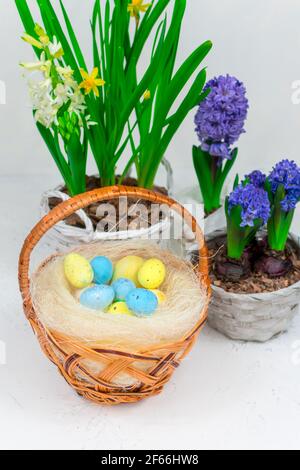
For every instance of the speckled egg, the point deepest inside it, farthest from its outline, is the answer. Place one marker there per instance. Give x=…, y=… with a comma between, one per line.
x=142, y=302
x=152, y=274
x=97, y=297
x=128, y=268
x=119, y=308
x=103, y=269
x=161, y=296
x=122, y=288
x=78, y=271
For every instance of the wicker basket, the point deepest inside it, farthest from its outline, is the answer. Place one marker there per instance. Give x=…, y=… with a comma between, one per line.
x=65, y=235
x=253, y=317
x=69, y=355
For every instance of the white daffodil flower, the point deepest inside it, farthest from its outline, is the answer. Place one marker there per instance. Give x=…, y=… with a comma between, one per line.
x=62, y=94
x=41, y=65
x=55, y=48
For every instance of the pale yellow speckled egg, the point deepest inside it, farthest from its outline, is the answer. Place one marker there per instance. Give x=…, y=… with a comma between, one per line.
x=152, y=274
x=119, y=308
x=161, y=296
x=128, y=268
x=78, y=271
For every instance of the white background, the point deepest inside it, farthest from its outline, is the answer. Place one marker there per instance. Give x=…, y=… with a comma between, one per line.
x=227, y=395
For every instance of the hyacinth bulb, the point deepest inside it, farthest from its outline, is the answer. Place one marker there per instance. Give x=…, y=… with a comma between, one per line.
x=273, y=266
x=232, y=270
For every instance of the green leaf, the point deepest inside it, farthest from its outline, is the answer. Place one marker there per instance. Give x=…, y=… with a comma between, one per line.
x=74, y=41
x=143, y=33
x=48, y=11
x=57, y=156
x=184, y=108
x=186, y=71
x=236, y=181
x=27, y=21
x=202, y=165
x=223, y=174
x=77, y=161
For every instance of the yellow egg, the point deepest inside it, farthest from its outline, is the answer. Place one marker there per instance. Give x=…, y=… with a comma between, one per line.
x=161, y=296
x=128, y=268
x=78, y=271
x=119, y=308
x=152, y=274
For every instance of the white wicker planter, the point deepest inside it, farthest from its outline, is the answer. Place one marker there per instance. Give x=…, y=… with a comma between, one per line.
x=67, y=236
x=254, y=317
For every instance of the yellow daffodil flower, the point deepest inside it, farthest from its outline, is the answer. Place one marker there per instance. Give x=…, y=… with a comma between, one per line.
x=147, y=95
x=91, y=82
x=136, y=7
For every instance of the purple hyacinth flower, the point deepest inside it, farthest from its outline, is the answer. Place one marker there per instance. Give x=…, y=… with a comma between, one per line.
x=257, y=178
x=220, y=150
x=221, y=116
x=254, y=202
x=287, y=174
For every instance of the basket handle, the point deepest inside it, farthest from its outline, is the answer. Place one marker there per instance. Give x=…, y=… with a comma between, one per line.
x=66, y=208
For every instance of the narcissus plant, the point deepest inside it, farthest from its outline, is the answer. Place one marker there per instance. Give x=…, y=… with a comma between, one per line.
x=116, y=106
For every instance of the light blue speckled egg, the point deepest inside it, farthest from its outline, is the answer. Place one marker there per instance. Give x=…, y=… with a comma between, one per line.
x=103, y=269
x=97, y=297
x=142, y=302
x=122, y=287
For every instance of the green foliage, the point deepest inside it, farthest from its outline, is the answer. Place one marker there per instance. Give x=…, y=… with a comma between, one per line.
x=157, y=122
x=71, y=169
x=211, y=177
x=238, y=238
x=117, y=59
x=280, y=222
x=122, y=117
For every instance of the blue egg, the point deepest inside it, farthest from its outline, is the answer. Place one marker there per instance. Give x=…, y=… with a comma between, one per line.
x=123, y=287
x=142, y=302
x=97, y=297
x=103, y=269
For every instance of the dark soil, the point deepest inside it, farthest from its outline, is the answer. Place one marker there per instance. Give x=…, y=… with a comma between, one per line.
x=250, y=277
x=93, y=182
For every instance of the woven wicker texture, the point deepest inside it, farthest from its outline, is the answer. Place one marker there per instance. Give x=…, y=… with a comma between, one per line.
x=71, y=357
x=253, y=317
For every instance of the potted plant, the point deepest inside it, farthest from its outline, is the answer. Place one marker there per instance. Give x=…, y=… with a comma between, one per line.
x=219, y=121
x=111, y=107
x=255, y=264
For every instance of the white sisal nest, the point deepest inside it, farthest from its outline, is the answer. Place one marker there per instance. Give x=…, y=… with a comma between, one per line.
x=58, y=308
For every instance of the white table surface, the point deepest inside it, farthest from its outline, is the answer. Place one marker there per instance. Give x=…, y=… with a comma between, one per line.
x=226, y=395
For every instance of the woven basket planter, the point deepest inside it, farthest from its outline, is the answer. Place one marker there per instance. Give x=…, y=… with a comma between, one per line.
x=70, y=355
x=66, y=235
x=253, y=317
